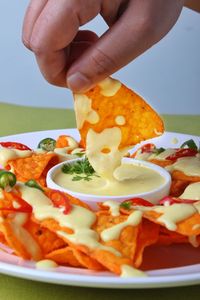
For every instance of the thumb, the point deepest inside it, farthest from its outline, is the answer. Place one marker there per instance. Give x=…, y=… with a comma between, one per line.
x=139, y=28
x=117, y=47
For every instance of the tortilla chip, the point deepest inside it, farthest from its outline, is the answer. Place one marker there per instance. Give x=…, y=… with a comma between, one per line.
x=178, y=187
x=72, y=257
x=62, y=141
x=148, y=235
x=178, y=175
x=2, y=239
x=87, y=262
x=64, y=256
x=34, y=167
x=48, y=240
x=125, y=244
x=167, y=237
x=19, y=239
x=141, y=121
x=72, y=200
x=186, y=227
x=161, y=163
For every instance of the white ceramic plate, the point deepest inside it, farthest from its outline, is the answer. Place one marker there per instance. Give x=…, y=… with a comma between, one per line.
x=179, y=265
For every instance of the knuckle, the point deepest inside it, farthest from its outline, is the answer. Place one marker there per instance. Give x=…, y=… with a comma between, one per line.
x=26, y=43
x=87, y=12
x=54, y=80
x=37, y=48
x=147, y=26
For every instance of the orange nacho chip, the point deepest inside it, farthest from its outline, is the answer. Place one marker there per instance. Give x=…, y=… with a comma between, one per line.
x=186, y=227
x=178, y=175
x=47, y=239
x=96, y=258
x=167, y=237
x=13, y=227
x=34, y=167
x=62, y=141
x=140, y=121
x=64, y=256
x=72, y=257
x=161, y=163
x=126, y=242
x=178, y=187
x=148, y=235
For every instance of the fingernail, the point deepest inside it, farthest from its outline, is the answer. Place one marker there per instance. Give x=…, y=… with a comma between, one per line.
x=78, y=82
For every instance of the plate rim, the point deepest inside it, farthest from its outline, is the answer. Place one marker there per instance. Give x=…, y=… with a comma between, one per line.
x=82, y=280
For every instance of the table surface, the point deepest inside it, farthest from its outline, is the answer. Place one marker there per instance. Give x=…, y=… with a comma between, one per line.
x=18, y=119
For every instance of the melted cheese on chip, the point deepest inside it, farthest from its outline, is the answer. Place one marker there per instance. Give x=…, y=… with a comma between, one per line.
x=10, y=154
x=109, y=87
x=104, y=163
x=192, y=192
x=84, y=111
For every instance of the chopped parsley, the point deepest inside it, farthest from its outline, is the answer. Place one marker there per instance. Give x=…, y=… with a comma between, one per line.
x=82, y=170
x=80, y=154
x=157, y=151
x=126, y=205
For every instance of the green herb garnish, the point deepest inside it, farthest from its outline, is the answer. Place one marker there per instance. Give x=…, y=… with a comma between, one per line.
x=81, y=169
x=157, y=151
x=126, y=205
x=190, y=144
x=80, y=154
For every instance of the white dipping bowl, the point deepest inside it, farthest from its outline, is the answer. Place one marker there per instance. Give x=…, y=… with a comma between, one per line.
x=152, y=196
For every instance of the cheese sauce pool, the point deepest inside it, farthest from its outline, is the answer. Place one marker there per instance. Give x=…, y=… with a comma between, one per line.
x=130, y=179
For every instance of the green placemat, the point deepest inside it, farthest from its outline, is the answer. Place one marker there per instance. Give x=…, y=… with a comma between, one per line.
x=16, y=119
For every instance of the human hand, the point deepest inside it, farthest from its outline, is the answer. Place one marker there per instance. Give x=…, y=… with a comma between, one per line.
x=79, y=59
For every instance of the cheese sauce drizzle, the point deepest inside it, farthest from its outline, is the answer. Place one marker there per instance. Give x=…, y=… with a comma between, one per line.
x=80, y=219
x=173, y=214
x=24, y=236
x=114, y=232
x=113, y=206
x=128, y=271
x=10, y=154
x=104, y=163
x=84, y=111
x=188, y=165
x=109, y=87
x=46, y=264
x=192, y=192
x=64, y=152
x=120, y=120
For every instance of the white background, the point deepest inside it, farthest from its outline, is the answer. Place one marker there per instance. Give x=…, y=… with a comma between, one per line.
x=168, y=75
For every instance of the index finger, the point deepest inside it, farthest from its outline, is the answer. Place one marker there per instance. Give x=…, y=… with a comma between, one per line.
x=32, y=13
x=53, y=31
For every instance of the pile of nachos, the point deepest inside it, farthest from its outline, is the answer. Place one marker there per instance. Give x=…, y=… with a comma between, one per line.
x=41, y=224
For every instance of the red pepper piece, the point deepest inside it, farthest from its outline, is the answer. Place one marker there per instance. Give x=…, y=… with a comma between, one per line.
x=147, y=148
x=60, y=200
x=127, y=204
x=23, y=205
x=173, y=200
x=14, y=145
x=141, y=202
x=182, y=153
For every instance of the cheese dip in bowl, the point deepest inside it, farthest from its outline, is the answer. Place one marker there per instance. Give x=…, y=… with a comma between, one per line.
x=134, y=178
